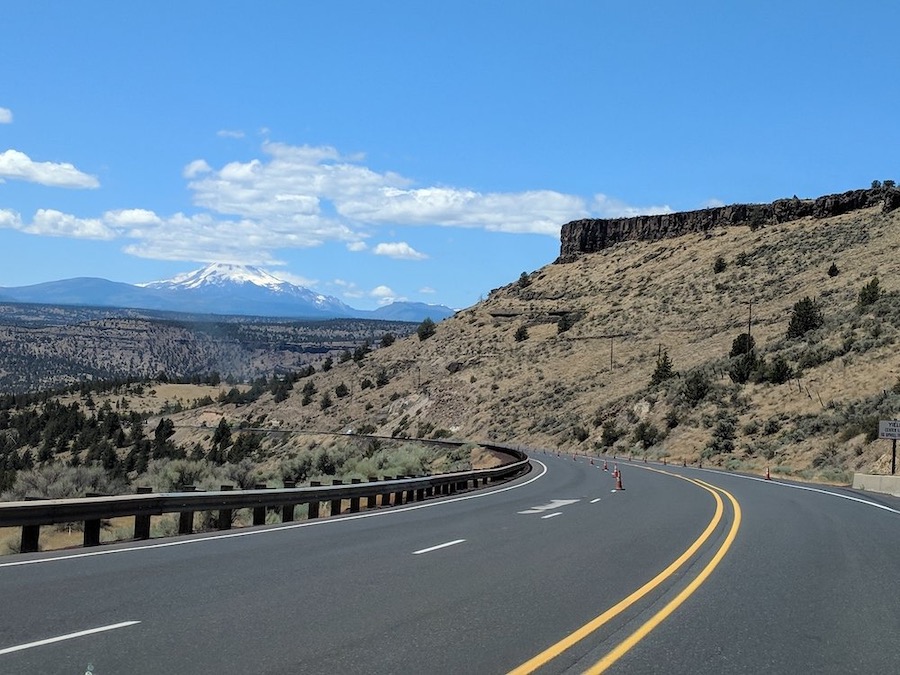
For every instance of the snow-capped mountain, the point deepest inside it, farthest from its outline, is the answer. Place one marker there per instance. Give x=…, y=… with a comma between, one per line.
x=217, y=288
x=220, y=285
x=242, y=289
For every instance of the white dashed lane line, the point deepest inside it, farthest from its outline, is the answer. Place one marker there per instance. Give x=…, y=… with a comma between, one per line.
x=439, y=546
x=68, y=636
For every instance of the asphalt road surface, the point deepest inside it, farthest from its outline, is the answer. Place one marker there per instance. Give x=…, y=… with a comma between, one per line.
x=683, y=571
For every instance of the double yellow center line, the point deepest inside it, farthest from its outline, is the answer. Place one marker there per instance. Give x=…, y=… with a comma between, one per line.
x=628, y=643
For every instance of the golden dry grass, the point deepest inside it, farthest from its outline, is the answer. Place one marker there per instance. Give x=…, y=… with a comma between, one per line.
x=648, y=296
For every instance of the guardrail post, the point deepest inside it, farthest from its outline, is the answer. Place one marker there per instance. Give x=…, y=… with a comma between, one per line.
x=398, y=495
x=386, y=496
x=31, y=534
x=259, y=512
x=354, y=501
x=225, y=514
x=287, y=511
x=92, y=527
x=420, y=494
x=336, y=503
x=312, y=510
x=186, y=518
x=142, y=522
x=452, y=487
x=371, y=500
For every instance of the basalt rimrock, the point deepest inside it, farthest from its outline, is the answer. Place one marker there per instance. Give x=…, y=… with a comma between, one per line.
x=594, y=234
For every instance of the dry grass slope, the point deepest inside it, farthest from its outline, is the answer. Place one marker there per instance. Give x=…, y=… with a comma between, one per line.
x=472, y=379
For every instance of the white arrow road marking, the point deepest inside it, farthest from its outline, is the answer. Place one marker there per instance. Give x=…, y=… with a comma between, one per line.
x=435, y=548
x=554, y=504
x=81, y=633
x=551, y=515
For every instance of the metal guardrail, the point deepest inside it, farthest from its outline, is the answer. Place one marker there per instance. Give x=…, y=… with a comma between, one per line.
x=32, y=514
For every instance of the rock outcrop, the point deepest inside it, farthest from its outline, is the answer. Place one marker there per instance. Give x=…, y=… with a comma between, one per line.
x=594, y=234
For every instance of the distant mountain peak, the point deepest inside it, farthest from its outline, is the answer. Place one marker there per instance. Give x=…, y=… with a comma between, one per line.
x=222, y=274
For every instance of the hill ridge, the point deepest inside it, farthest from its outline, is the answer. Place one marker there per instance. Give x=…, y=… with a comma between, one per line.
x=590, y=235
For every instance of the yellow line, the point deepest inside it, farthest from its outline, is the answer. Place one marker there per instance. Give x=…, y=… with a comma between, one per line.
x=676, y=602
x=555, y=650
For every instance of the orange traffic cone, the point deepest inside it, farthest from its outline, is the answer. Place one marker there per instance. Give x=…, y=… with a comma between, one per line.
x=615, y=469
x=768, y=477
x=619, y=481
x=592, y=461
x=605, y=466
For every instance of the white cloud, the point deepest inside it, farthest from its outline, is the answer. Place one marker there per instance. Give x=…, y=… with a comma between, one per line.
x=299, y=197
x=230, y=133
x=609, y=207
x=385, y=295
x=126, y=218
x=399, y=250
x=6, y=116
x=195, y=168
x=348, y=289
x=54, y=223
x=15, y=164
x=428, y=290
x=296, y=279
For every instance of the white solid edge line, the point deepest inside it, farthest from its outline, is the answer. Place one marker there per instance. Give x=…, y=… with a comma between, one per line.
x=594, y=501
x=280, y=528
x=551, y=515
x=851, y=498
x=439, y=546
x=69, y=636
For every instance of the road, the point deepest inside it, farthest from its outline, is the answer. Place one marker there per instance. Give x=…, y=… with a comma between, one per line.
x=684, y=571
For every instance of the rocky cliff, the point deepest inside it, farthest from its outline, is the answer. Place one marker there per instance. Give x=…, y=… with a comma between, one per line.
x=593, y=234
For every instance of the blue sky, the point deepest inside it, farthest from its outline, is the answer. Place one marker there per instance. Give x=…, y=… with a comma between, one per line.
x=411, y=150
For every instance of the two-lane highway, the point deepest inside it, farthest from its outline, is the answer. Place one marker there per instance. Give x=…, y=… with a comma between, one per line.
x=551, y=573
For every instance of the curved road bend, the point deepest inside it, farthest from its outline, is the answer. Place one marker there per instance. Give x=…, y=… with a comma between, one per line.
x=547, y=574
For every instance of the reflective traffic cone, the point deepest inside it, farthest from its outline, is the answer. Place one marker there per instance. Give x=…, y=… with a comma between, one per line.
x=768, y=477
x=619, y=481
x=605, y=466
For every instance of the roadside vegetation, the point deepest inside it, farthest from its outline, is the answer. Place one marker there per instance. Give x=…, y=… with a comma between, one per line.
x=743, y=348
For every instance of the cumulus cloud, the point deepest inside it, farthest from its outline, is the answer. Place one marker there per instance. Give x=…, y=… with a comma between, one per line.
x=428, y=290
x=385, y=295
x=314, y=181
x=608, y=207
x=348, y=289
x=51, y=222
x=195, y=168
x=18, y=165
x=6, y=116
x=296, y=279
x=399, y=250
x=230, y=133
x=298, y=197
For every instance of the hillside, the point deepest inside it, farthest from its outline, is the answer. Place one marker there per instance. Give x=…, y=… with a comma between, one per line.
x=48, y=347
x=586, y=386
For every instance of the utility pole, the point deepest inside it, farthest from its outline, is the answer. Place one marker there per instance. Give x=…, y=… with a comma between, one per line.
x=749, y=324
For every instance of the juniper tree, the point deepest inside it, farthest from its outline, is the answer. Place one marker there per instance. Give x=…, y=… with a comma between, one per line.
x=806, y=316
x=663, y=370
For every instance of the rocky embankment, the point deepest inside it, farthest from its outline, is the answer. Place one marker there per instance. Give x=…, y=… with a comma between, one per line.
x=594, y=234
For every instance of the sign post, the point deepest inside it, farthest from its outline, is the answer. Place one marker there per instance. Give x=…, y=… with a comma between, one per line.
x=890, y=429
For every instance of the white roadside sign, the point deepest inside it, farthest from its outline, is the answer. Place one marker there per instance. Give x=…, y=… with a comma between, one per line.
x=889, y=429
